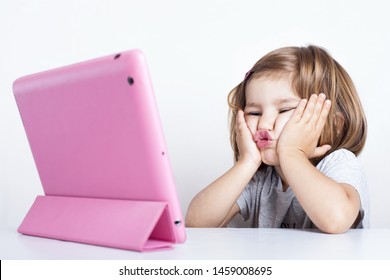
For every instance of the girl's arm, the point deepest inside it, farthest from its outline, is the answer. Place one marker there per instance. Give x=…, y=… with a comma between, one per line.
x=216, y=205
x=333, y=207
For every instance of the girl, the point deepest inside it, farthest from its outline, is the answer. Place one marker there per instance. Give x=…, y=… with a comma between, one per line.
x=296, y=127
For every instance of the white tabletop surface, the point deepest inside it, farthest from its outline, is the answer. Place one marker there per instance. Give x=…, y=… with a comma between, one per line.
x=216, y=243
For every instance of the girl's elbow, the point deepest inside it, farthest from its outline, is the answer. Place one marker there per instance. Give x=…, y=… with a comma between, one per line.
x=194, y=220
x=191, y=221
x=337, y=223
x=334, y=228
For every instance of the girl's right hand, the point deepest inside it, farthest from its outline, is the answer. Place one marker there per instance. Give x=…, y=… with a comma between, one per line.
x=246, y=145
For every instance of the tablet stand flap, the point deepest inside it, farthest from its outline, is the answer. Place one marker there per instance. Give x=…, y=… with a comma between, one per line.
x=125, y=224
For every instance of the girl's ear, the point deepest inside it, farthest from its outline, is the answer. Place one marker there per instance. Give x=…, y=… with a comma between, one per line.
x=339, y=122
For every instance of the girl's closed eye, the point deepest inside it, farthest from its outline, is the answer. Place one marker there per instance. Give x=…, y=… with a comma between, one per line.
x=256, y=114
x=284, y=110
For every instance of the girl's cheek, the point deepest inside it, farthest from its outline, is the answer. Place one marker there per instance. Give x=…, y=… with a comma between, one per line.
x=282, y=120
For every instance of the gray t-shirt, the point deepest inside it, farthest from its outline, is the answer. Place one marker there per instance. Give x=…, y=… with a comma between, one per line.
x=264, y=204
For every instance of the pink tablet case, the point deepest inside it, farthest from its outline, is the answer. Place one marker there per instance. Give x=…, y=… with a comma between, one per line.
x=98, y=146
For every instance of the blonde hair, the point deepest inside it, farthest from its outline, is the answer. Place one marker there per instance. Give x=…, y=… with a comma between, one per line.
x=311, y=70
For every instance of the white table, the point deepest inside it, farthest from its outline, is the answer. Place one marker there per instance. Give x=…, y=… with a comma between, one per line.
x=214, y=243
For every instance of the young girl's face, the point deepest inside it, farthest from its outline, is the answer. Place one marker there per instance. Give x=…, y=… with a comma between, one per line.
x=269, y=105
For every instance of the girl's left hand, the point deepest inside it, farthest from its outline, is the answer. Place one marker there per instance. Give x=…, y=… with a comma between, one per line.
x=303, y=129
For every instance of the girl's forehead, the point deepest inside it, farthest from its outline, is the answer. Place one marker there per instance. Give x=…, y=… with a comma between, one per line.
x=269, y=89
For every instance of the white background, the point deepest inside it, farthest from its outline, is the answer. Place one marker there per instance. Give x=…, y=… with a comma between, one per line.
x=108, y=269
x=197, y=52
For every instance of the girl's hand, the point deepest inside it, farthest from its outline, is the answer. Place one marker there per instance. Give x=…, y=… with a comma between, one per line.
x=246, y=145
x=302, y=131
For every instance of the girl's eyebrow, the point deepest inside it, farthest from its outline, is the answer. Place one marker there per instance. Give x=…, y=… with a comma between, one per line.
x=251, y=104
x=277, y=102
x=287, y=100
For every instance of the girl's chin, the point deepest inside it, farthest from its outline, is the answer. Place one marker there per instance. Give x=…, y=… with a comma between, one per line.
x=269, y=157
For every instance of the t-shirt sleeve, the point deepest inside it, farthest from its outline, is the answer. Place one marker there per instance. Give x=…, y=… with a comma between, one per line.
x=344, y=167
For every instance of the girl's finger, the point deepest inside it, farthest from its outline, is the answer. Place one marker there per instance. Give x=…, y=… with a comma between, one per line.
x=241, y=126
x=298, y=112
x=323, y=114
x=240, y=117
x=307, y=115
x=320, y=151
x=318, y=107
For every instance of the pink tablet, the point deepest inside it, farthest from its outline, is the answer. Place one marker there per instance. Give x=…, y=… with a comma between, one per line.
x=98, y=145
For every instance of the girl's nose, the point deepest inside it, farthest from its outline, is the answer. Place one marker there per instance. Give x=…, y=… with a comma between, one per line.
x=266, y=122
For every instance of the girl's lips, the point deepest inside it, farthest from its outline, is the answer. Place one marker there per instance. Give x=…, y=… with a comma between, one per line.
x=262, y=139
x=261, y=144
